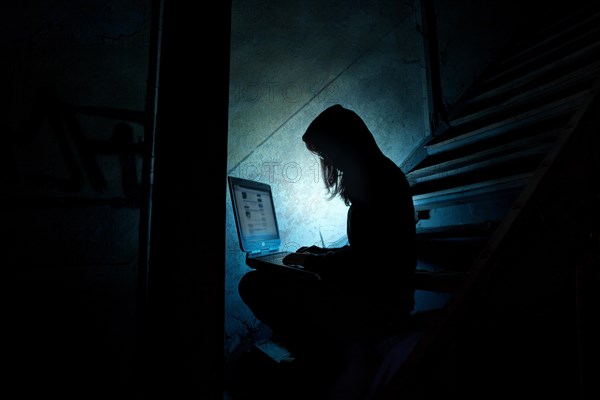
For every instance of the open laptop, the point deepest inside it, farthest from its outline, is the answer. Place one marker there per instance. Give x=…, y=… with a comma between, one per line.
x=256, y=224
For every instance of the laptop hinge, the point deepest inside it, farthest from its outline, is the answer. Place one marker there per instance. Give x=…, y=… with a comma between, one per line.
x=264, y=252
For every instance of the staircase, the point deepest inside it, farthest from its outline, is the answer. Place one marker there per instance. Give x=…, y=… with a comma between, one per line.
x=505, y=194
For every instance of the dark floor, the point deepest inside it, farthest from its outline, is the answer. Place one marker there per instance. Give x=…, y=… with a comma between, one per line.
x=257, y=376
x=354, y=374
x=532, y=353
x=252, y=374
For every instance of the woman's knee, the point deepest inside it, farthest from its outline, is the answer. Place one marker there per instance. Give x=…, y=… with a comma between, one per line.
x=246, y=285
x=252, y=285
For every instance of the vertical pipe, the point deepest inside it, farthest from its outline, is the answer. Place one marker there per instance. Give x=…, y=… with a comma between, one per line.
x=146, y=189
x=148, y=158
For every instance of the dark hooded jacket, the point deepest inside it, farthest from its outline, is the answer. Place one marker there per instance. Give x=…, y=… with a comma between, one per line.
x=379, y=260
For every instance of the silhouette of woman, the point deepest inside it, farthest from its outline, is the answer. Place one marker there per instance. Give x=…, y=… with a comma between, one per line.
x=366, y=292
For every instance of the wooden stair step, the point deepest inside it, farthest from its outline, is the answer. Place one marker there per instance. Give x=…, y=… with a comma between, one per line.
x=528, y=118
x=547, y=38
x=557, y=66
x=508, y=97
x=457, y=231
x=433, y=281
x=537, y=151
x=470, y=193
x=513, y=147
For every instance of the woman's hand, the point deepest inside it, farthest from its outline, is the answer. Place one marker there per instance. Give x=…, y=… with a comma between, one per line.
x=295, y=258
x=312, y=250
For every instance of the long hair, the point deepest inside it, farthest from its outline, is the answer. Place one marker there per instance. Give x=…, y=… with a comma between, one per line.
x=333, y=178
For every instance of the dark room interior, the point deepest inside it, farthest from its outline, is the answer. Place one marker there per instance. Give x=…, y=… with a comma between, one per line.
x=123, y=119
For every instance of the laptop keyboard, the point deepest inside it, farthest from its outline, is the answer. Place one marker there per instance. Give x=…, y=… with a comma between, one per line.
x=276, y=258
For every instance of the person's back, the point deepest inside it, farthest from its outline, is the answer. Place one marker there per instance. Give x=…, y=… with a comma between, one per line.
x=381, y=233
